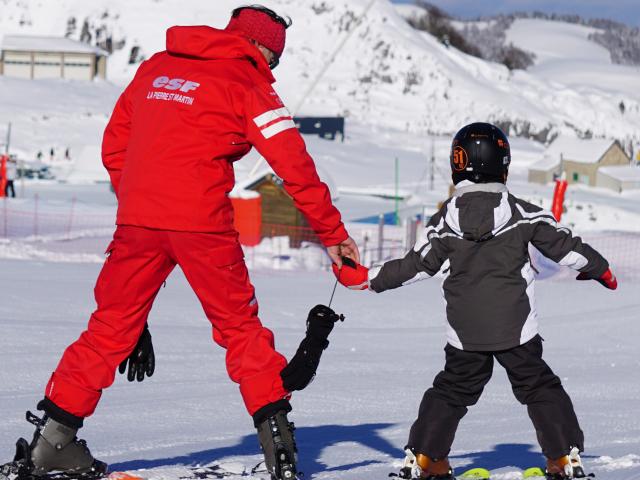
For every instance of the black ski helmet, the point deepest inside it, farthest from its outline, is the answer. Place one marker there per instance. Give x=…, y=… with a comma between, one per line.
x=480, y=153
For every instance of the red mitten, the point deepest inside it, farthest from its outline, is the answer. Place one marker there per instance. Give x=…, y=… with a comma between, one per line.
x=352, y=275
x=607, y=280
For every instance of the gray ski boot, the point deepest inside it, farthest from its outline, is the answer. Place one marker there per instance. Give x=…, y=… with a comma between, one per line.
x=55, y=452
x=279, y=446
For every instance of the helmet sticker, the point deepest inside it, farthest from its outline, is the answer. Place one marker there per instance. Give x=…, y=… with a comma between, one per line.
x=460, y=159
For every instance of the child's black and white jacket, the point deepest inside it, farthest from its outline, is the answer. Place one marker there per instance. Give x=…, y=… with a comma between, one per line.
x=480, y=239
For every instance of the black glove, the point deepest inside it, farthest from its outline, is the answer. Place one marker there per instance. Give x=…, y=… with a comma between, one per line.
x=303, y=366
x=142, y=360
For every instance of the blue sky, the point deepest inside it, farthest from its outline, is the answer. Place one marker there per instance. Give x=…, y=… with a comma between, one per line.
x=626, y=11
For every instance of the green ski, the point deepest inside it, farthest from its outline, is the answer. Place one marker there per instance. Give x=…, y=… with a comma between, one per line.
x=534, y=472
x=475, y=474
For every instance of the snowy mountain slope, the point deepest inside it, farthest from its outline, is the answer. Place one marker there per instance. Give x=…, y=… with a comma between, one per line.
x=566, y=56
x=386, y=75
x=58, y=114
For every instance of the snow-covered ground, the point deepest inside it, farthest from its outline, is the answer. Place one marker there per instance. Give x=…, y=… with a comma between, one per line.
x=354, y=419
x=394, y=85
x=568, y=59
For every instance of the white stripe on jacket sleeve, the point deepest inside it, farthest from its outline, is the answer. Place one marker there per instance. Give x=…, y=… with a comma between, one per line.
x=268, y=117
x=278, y=127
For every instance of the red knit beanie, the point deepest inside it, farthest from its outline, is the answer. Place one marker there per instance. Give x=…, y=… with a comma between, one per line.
x=259, y=26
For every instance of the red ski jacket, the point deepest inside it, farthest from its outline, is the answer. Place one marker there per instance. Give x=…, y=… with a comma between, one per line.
x=189, y=113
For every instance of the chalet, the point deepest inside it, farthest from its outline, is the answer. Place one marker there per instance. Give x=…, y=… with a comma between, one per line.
x=545, y=170
x=35, y=57
x=580, y=159
x=619, y=178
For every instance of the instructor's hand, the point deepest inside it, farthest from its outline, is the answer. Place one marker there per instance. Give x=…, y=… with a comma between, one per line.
x=142, y=360
x=347, y=248
x=352, y=275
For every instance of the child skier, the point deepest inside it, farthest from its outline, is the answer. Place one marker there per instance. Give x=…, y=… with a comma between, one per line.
x=481, y=236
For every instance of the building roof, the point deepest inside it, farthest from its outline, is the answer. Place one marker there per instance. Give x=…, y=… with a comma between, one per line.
x=250, y=181
x=579, y=150
x=624, y=173
x=36, y=43
x=546, y=164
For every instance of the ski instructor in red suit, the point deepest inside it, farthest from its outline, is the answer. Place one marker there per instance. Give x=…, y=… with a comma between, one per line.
x=189, y=113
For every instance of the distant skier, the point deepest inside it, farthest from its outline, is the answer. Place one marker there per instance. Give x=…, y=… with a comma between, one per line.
x=189, y=113
x=12, y=173
x=481, y=237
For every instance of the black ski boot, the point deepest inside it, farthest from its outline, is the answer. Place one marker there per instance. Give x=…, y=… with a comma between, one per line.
x=279, y=446
x=55, y=452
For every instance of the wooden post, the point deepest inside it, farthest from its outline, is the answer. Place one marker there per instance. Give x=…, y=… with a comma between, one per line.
x=5, y=220
x=397, y=180
x=70, y=224
x=364, y=250
x=380, y=236
x=35, y=215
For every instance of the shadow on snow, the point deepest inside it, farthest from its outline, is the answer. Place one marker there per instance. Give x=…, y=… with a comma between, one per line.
x=521, y=455
x=313, y=440
x=311, y=443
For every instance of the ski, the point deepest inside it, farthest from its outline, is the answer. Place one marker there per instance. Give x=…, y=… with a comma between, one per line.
x=218, y=471
x=16, y=471
x=208, y=472
x=475, y=474
x=534, y=472
x=124, y=476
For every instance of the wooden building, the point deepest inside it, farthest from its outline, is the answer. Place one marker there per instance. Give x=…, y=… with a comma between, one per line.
x=277, y=204
x=36, y=57
x=279, y=215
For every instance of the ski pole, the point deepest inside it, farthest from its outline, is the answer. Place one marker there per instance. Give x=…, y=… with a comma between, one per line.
x=333, y=292
x=348, y=262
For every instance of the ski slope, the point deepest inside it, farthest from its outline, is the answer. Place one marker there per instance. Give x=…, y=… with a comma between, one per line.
x=404, y=94
x=354, y=419
x=385, y=74
x=567, y=59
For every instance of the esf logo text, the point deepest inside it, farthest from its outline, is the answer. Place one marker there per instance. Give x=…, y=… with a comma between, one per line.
x=175, y=84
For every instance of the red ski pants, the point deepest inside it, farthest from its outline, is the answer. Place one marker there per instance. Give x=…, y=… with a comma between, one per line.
x=139, y=261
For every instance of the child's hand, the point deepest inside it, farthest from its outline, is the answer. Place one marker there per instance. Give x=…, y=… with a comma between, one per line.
x=352, y=275
x=607, y=280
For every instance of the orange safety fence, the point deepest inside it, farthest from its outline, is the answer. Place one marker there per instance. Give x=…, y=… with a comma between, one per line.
x=25, y=221
x=61, y=222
